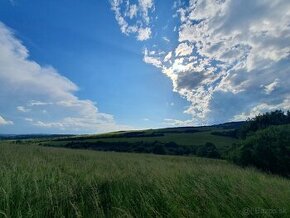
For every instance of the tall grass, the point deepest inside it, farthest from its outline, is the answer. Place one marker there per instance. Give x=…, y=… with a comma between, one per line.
x=53, y=182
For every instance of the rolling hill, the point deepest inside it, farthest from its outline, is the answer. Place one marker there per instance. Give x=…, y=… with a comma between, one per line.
x=183, y=138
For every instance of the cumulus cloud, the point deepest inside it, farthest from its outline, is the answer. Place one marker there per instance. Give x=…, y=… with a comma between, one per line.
x=232, y=58
x=41, y=88
x=134, y=18
x=183, y=49
x=5, y=122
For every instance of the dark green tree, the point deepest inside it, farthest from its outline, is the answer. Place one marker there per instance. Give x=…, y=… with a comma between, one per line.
x=208, y=150
x=267, y=149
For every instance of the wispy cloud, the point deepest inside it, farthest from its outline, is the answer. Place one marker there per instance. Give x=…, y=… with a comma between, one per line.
x=134, y=18
x=175, y=122
x=166, y=39
x=22, y=109
x=271, y=86
x=5, y=122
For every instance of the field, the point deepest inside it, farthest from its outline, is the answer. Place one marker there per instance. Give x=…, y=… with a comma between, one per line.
x=37, y=181
x=182, y=136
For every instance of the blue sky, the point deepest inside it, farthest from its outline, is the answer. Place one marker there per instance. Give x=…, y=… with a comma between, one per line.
x=97, y=66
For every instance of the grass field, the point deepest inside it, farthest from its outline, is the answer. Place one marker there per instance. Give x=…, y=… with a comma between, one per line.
x=189, y=136
x=38, y=181
x=198, y=138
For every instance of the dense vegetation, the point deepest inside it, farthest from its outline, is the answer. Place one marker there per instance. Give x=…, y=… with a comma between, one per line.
x=208, y=150
x=38, y=181
x=267, y=149
x=265, y=144
x=263, y=121
x=137, y=147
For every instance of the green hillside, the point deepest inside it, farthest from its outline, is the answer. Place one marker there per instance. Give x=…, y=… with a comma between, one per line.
x=38, y=181
x=182, y=136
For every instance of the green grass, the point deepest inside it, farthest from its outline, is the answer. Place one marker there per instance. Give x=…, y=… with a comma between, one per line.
x=198, y=138
x=40, y=181
x=178, y=136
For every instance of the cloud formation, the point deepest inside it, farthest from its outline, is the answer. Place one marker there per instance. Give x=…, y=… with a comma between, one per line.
x=46, y=98
x=5, y=122
x=134, y=18
x=232, y=59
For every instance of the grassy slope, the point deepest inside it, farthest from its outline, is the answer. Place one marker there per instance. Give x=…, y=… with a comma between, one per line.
x=177, y=135
x=40, y=181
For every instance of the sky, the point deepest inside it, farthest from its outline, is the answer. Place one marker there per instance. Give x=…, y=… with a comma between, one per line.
x=99, y=66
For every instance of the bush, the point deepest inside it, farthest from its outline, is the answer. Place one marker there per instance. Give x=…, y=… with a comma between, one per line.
x=159, y=148
x=208, y=150
x=263, y=121
x=267, y=149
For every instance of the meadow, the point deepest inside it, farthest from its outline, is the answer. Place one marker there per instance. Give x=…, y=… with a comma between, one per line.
x=37, y=181
x=184, y=137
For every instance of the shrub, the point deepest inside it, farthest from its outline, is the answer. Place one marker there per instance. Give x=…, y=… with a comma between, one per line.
x=267, y=149
x=208, y=150
x=159, y=148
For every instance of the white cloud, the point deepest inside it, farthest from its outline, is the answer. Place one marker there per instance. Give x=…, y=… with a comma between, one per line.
x=165, y=39
x=168, y=57
x=22, y=109
x=134, y=18
x=5, y=122
x=145, y=6
x=151, y=60
x=262, y=108
x=144, y=34
x=271, y=87
x=183, y=49
x=43, y=88
x=133, y=11
x=39, y=103
x=28, y=119
x=232, y=56
x=176, y=123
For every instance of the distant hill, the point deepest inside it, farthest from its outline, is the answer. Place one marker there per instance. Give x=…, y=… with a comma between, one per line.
x=32, y=136
x=173, y=140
